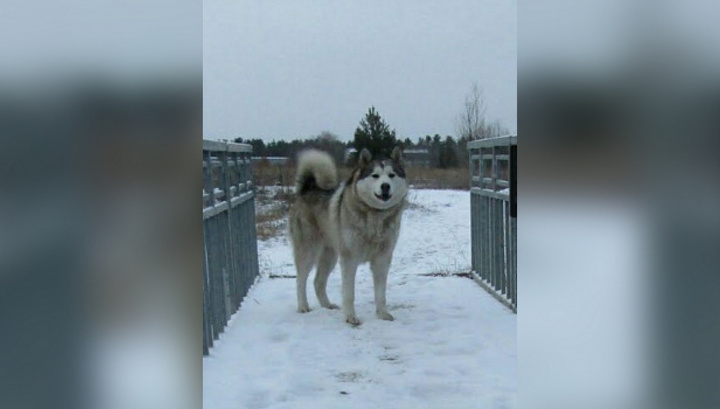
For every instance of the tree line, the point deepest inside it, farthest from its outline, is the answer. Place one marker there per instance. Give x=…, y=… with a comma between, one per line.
x=376, y=135
x=442, y=152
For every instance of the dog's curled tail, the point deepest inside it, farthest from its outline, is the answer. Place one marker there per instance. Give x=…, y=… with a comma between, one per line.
x=316, y=171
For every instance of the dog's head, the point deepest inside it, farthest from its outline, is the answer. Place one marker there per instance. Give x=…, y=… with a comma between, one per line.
x=380, y=183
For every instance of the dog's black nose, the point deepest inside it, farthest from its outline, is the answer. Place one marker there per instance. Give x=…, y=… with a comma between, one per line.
x=385, y=187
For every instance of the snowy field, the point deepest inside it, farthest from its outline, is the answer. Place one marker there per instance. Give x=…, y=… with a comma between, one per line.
x=451, y=345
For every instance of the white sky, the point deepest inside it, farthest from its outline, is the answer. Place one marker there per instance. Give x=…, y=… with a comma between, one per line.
x=291, y=69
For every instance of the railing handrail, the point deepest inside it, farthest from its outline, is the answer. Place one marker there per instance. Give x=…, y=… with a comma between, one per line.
x=489, y=142
x=222, y=146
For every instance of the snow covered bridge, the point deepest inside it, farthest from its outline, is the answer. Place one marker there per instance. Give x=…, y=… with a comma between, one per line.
x=452, y=345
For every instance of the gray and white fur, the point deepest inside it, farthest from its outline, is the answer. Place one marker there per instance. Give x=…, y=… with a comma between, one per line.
x=357, y=221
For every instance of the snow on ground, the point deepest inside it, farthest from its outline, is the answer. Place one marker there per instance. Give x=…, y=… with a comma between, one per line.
x=451, y=345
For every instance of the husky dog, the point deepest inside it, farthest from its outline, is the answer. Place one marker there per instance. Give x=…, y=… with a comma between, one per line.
x=359, y=221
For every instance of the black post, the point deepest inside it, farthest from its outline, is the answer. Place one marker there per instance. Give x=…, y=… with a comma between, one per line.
x=513, y=181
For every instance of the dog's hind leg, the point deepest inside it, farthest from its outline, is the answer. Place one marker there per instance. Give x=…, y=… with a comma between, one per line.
x=326, y=263
x=304, y=262
x=380, y=267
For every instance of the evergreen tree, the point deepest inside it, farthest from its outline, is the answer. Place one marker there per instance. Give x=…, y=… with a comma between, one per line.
x=258, y=146
x=450, y=154
x=463, y=155
x=436, y=154
x=374, y=134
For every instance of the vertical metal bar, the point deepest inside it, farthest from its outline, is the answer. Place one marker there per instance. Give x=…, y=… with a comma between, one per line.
x=473, y=214
x=480, y=237
x=229, y=270
x=493, y=233
x=475, y=232
x=499, y=236
x=252, y=230
x=493, y=239
x=513, y=217
x=480, y=165
x=233, y=214
x=247, y=227
x=513, y=181
x=207, y=330
x=513, y=259
x=506, y=247
x=473, y=221
x=221, y=270
x=494, y=169
x=245, y=242
x=207, y=174
x=215, y=270
x=486, y=238
x=238, y=232
x=216, y=310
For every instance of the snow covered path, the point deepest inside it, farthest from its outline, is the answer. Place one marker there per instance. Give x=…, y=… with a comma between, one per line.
x=451, y=345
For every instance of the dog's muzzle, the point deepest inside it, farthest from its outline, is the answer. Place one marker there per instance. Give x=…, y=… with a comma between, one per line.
x=385, y=189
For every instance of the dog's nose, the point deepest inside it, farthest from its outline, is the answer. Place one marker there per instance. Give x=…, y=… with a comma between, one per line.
x=385, y=187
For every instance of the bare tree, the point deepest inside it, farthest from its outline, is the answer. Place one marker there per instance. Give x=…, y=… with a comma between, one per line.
x=474, y=113
x=492, y=129
x=472, y=123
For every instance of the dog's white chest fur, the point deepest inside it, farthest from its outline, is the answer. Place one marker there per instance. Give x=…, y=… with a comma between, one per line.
x=369, y=235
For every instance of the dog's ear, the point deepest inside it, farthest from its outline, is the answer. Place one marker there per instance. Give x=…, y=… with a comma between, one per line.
x=397, y=156
x=365, y=158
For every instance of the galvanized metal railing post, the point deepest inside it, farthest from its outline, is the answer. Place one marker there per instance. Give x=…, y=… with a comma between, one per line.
x=230, y=262
x=494, y=214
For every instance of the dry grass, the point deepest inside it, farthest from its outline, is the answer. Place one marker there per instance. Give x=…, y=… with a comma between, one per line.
x=423, y=178
x=446, y=273
x=271, y=209
x=266, y=174
x=284, y=175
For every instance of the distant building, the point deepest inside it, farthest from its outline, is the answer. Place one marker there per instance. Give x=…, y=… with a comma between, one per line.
x=417, y=157
x=272, y=160
x=349, y=153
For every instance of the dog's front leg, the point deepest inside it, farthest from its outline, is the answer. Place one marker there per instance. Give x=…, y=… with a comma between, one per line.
x=349, y=268
x=380, y=267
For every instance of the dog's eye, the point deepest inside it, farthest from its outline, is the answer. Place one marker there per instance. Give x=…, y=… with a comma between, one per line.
x=376, y=176
x=392, y=175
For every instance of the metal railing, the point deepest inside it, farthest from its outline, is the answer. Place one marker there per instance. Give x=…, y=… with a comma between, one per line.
x=493, y=198
x=230, y=257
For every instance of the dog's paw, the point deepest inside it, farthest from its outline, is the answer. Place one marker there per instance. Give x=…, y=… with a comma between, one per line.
x=331, y=306
x=352, y=320
x=385, y=316
x=303, y=309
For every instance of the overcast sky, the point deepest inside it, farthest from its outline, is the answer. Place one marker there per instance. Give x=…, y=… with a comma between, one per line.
x=291, y=69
